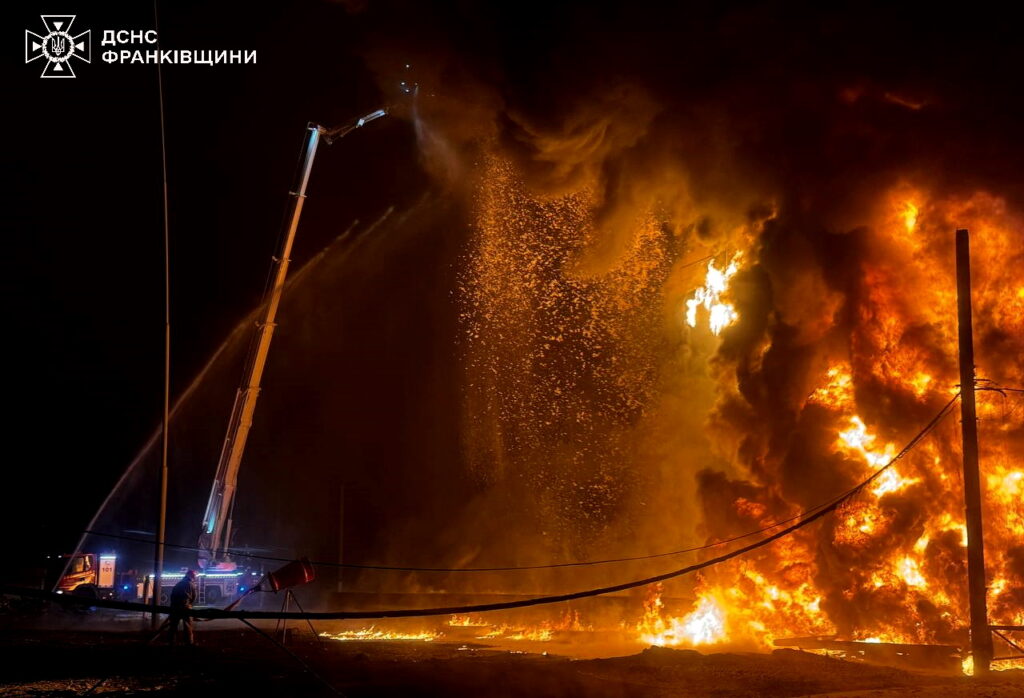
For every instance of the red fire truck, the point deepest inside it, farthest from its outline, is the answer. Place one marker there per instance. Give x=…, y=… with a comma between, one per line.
x=99, y=576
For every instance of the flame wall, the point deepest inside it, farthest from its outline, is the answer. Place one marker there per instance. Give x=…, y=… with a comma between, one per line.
x=835, y=152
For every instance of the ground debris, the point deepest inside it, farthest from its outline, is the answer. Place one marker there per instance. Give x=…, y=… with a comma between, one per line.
x=48, y=664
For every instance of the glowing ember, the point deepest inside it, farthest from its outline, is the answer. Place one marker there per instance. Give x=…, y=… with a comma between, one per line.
x=890, y=481
x=838, y=392
x=909, y=215
x=921, y=384
x=457, y=621
x=706, y=624
x=1010, y=483
x=506, y=632
x=968, y=665
x=709, y=296
x=569, y=621
x=910, y=573
x=858, y=439
x=373, y=633
x=702, y=626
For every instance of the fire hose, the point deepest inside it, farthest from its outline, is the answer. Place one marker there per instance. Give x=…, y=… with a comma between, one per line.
x=582, y=563
x=213, y=613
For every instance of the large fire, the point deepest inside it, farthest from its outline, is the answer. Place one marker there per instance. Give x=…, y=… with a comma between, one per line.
x=807, y=400
x=905, y=578
x=702, y=626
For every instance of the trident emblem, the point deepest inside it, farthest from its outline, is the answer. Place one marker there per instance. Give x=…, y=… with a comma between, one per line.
x=58, y=46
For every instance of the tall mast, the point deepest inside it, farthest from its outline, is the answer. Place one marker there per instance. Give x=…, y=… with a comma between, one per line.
x=216, y=522
x=215, y=537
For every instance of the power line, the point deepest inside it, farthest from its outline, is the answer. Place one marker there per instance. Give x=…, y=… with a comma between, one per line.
x=698, y=261
x=586, y=563
x=212, y=613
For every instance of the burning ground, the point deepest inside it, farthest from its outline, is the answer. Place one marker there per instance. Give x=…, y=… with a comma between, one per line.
x=240, y=662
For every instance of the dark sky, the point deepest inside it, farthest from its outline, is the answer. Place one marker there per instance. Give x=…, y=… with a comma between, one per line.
x=84, y=283
x=84, y=288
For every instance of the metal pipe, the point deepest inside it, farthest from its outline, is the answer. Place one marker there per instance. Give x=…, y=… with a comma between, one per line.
x=981, y=637
x=332, y=134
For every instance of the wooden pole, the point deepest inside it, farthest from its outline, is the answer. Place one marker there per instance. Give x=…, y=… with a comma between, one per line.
x=981, y=637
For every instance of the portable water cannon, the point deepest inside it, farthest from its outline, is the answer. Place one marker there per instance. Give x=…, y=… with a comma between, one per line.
x=295, y=573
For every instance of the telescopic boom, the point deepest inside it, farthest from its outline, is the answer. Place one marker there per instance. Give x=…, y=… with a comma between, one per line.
x=215, y=538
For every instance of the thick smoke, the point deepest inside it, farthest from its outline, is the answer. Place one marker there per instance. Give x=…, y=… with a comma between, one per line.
x=607, y=149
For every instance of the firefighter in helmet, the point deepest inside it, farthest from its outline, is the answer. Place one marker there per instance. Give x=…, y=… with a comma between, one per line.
x=183, y=595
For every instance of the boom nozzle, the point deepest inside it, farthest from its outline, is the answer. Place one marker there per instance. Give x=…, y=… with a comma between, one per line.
x=332, y=134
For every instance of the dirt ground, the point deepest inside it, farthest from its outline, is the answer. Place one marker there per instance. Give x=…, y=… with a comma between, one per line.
x=240, y=662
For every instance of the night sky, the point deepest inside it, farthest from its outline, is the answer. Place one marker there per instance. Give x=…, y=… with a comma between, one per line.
x=84, y=288
x=84, y=298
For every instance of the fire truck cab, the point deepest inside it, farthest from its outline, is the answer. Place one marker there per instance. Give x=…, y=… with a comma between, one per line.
x=89, y=574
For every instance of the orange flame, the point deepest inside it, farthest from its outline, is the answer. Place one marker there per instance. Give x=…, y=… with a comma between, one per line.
x=710, y=297
x=374, y=633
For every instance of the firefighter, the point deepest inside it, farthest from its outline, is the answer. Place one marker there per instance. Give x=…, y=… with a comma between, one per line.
x=183, y=595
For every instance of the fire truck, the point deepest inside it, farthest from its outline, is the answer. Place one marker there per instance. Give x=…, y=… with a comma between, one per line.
x=89, y=574
x=102, y=577
x=219, y=578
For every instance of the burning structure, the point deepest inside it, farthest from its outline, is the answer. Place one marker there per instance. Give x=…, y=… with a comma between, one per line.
x=786, y=424
x=698, y=287
x=747, y=283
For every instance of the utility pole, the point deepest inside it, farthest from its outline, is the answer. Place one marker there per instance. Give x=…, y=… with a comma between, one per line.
x=981, y=636
x=161, y=530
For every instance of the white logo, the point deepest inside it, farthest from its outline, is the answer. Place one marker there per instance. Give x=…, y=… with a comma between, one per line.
x=58, y=46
